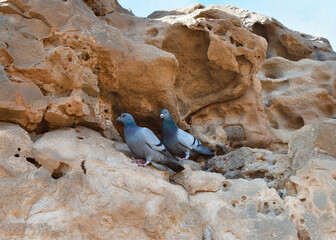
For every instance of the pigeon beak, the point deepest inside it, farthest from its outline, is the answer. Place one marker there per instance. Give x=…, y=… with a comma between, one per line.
x=161, y=115
x=118, y=119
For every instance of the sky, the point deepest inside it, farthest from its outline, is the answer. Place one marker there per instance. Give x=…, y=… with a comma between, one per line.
x=312, y=17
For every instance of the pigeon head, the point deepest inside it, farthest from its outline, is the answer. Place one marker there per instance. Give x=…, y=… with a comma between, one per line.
x=167, y=121
x=164, y=114
x=126, y=119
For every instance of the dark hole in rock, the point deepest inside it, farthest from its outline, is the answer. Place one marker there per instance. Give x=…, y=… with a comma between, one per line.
x=303, y=199
x=227, y=185
x=85, y=56
x=83, y=166
x=19, y=149
x=266, y=205
x=303, y=234
x=62, y=170
x=282, y=193
x=234, y=203
x=17, y=155
x=256, y=174
x=33, y=161
x=243, y=197
x=106, y=110
x=237, y=44
x=302, y=221
x=269, y=177
x=80, y=138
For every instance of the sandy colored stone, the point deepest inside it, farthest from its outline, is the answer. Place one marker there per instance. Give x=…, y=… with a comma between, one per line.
x=96, y=191
x=250, y=164
x=50, y=44
x=199, y=181
x=315, y=141
x=246, y=112
x=282, y=41
x=103, y=7
x=311, y=204
x=21, y=103
x=296, y=94
x=217, y=57
x=74, y=183
x=244, y=203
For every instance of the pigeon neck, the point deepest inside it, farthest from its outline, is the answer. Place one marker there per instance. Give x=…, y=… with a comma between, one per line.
x=130, y=124
x=169, y=125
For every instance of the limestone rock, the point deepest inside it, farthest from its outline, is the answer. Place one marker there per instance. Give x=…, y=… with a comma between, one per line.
x=82, y=63
x=200, y=39
x=73, y=183
x=313, y=142
x=51, y=46
x=250, y=163
x=103, y=7
x=21, y=103
x=296, y=94
x=94, y=192
x=282, y=42
x=199, y=181
x=312, y=188
x=246, y=113
x=244, y=203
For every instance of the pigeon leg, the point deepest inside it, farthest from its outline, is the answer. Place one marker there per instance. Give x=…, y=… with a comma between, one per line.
x=136, y=160
x=186, y=157
x=146, y=163
x=143, y=164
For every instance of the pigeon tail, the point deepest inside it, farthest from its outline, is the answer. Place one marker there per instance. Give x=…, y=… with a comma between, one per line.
x=203, y=150
x=174, y=166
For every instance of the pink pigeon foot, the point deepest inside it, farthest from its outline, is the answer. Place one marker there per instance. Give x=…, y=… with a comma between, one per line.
x=180, y=159
x=136, y=160
x=143, y=164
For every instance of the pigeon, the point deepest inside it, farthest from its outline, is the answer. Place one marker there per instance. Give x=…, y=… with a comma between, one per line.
x=144, y=144
x=179, y=142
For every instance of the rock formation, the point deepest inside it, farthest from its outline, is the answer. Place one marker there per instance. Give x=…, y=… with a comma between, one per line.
x=263, y=96
x=74, y=183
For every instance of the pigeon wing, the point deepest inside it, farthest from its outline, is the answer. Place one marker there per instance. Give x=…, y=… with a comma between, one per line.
x=154, y=143
x=187, y=140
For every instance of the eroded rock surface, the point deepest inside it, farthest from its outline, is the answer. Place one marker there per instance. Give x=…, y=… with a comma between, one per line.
x=74, y=183
x=282, y=42
x=238, y=81
x=296, y=94
x=60, y=48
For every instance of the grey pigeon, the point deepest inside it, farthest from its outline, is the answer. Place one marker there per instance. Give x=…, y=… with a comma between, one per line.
x=179, y=142
x=144, y=144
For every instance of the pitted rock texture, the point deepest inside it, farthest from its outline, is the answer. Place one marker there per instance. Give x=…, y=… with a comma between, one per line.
x=73, y=183
x=218, y=58
x=65, y=54
x=296, y=94
x=237, y=80
x=86, y=62
x=282, y=42
x=200, y=37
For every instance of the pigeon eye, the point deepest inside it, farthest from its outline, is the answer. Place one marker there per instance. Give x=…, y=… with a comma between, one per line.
x=123, y=116
x=165, y=112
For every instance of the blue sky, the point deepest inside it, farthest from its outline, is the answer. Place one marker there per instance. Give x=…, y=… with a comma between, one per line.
x=308, y=16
